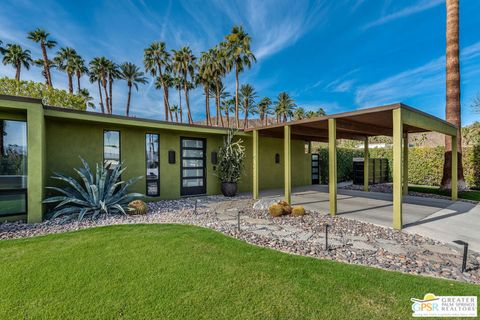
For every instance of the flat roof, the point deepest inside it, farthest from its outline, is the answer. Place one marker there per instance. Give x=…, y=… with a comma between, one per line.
x=355, y=125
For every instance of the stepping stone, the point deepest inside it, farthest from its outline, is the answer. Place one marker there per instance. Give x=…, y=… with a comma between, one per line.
x=363, y=246
x=439, y=249
x=385, y=241
x=331, y=242
x=356, y=238
x=282, y=233
x=395, y=249
x=262, y=232
x=304, y=236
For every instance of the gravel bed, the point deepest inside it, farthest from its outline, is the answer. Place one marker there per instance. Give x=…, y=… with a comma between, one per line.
x=350, y=241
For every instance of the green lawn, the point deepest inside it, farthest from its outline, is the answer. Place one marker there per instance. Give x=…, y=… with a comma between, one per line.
x=184, y=272
x=469, y=195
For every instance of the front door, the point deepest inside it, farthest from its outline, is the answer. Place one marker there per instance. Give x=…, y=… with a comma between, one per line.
x=193, y=166
x=315, y=168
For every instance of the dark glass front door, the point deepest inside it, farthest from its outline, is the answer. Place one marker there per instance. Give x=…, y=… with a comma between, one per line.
x=193, y=166
x=315, y=168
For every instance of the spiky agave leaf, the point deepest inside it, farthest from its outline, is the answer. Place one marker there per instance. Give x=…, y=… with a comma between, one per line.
x=105, y=194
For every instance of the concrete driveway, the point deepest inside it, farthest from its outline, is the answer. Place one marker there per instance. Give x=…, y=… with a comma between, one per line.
x=439, y=219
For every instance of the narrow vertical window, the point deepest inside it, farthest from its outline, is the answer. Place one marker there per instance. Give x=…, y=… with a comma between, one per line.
x=153, y=164
x=13, y=167
x=111, y=148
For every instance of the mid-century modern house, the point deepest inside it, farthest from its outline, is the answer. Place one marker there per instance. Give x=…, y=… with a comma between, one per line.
x=179, y=160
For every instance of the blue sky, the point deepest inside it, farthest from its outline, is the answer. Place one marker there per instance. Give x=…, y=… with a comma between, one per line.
x=341, y=55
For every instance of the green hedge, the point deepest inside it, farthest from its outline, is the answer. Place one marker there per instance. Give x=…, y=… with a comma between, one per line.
x=49, y=96
x=425, y=165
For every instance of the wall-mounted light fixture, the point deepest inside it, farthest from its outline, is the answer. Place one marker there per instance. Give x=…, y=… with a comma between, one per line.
x=214, y=157
x=277, y=158
x=171, y=156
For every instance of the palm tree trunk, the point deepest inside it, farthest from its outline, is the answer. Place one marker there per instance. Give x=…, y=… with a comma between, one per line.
x=17, y=73
x=236, y=98
x=70, y=82
x=180, y=103
x=129, y=96
x=78, y=81
x=110, y=88
x=185, y=88
x=46, y=67
x=165, y=92
x=107, y=100
x=245, y=121
x=452, y=109
x=219, y=110
x=101, y=98
x=176, y=116
x=207, y=106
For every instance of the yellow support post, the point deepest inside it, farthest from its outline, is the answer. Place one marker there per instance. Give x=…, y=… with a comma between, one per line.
x=255, y=165
x=405, y=164
x=332, y=165
x=397, y=168
x=454, y=182
x=366, y=162
x=288, y=164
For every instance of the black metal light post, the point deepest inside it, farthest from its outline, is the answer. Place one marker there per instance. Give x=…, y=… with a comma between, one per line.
x=465, y=253
x=326, y=237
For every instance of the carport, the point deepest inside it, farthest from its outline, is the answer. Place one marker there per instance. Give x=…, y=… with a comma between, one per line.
x=395, y=120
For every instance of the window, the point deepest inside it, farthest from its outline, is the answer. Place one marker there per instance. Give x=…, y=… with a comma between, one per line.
x=153, y=164
x=13, y=167
x=111, y=148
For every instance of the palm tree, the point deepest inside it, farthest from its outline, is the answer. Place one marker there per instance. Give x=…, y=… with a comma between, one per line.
x=228, y=105
x=219, y=69
x=264, y=109
x=113, y=73
x=284, y=107
x=40, y=63
x=98, y=72
x=15, y=55
x=206, y=77
x=247, y=99
x=132, y=74
x=299, y=113
x=165, y=80
x=156, y=59
x=85, y=94
x=41, y=36
x=237, y=48
x=174, y=110
x=220, y=93
x=64, y=61
x=184, y=65
x=79, y=68
x=452, y=108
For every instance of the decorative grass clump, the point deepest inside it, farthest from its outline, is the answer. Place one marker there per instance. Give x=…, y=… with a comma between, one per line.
x=275, y=210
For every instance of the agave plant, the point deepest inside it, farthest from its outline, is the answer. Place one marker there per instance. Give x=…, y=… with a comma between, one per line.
x=102, y=194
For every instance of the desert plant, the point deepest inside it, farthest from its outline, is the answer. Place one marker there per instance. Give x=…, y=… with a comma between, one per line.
x=230, y=159
x=298, y=211
x=103, y=193
x=137, y=207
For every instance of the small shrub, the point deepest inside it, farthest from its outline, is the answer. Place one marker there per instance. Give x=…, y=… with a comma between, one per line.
x=275, y=210
x=298, y=211
x=137, y=207
x=287, y=209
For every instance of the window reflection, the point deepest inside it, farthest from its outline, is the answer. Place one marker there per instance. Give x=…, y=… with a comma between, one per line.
x=153, y=164
x=13, y=167
x=111, y=147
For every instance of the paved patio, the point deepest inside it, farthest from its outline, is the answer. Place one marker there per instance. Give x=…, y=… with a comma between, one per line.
x=439, y=219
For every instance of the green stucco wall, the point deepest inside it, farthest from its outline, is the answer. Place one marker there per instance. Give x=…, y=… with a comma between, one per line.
x=67, y=140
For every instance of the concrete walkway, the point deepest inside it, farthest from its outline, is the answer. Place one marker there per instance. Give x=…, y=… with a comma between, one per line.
x=439, y=219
